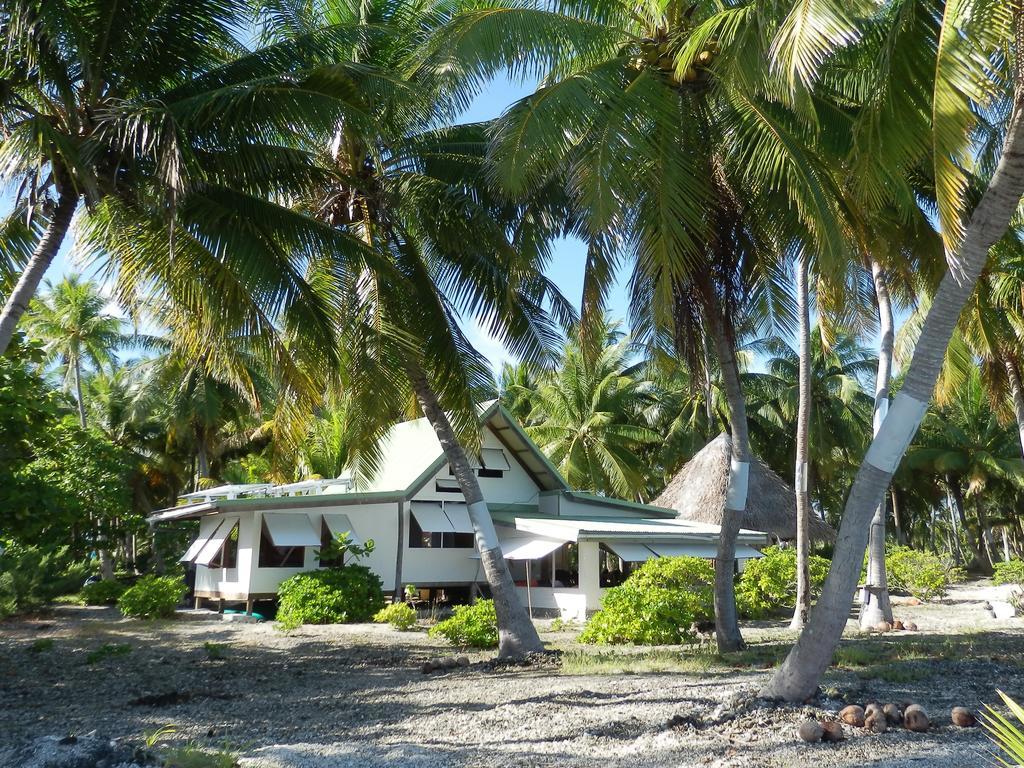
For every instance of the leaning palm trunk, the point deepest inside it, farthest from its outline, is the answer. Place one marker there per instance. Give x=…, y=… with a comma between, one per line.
x=798, y=677
x=727, y=627
x=78, y=392
x=516, y=634
x=1016, y=394
x=803, y=426
x=875, y=606
x=43, y=255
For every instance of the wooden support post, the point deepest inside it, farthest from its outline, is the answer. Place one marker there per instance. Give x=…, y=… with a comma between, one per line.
x=248, y=606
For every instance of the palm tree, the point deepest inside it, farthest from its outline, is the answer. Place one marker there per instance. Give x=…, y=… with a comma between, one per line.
x=70, y=321
x=151, y=111
x=440, y=245
x=963, y=80
x=676, y=150
x=588, y=419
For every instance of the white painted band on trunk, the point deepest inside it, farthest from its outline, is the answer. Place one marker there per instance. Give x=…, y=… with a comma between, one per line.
x=480, y=515
x=736, y=498
x=896, y=432
x=801, y=477
x=880, y=412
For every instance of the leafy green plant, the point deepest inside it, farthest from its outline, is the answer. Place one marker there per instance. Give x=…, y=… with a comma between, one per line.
x=342, y=548
x=152, y=597
x=401, y=616
x=470, y=626
x=107, y=651
x=215, y=651
x=192, y=755
x=103, y=592
x=347, y=594
x=656, y=605
x=41, y=645
x=922, y=574
x=558, y=624
x=1007, y=735
x=1011, y=572
x=32, y=576
x=768, y=584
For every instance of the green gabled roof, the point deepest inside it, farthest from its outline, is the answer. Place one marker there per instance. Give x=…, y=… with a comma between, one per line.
x=607, y=501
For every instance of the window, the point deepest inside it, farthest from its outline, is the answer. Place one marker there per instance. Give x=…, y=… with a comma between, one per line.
x=279, y=557
x=227, y=556
x=485, y=472
x=326, y=537
x=420, y=539
x=444, y=485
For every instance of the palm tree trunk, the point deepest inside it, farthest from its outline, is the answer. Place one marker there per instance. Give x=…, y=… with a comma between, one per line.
x=803, y=427
x=727, y=627
x=960, y=507
x=1016, y=395
x=797, y=678
x=897, y=521
x=78, y=392
x=516, y=634
x=875, y=606
x=43, y=255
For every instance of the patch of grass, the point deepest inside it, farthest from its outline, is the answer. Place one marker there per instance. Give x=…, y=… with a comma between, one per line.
x=896, y=672
x=192, y=755
x=759, y=656
x=578, y=662
x=107, y=651
x=215, y=651
x=41, y=645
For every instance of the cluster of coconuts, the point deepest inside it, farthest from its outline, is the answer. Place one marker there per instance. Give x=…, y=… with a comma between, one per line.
x=896, y=626
x=660, y=55
x=878, y=718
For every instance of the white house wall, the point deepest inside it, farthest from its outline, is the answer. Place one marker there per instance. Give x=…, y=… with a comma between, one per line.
x=233, y=581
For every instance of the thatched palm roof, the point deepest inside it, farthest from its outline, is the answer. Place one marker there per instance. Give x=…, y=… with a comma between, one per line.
x=697, y=492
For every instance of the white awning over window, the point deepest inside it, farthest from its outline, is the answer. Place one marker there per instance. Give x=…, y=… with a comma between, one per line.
x=216, y=542
x=631, y=553
x=431, y=518
x=458, y=516
x=684, y=550
x=747, y=553
x=528, y=549
x=207, y=527
x=448, y=484
x=339, y=524
x=291, y=530
x=494, y=458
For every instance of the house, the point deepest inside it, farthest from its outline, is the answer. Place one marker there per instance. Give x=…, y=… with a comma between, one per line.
x=697, y=493
x=564, y=547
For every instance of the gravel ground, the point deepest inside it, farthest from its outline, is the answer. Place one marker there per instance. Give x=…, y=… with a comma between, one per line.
x=355, y=696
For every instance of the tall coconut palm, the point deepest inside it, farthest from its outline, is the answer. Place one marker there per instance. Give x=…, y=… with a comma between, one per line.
x=676, y=151
x=963, y=81
x=152, y=110
x=75, y=330
x=415, y=196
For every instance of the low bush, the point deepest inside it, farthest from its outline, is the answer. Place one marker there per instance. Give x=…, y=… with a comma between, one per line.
x=401, y=616
x=470, y=626
x=107, y=651
x=102, y=592
x=922, y=574
x=348, y=594
x=1011, y=572
x=656, y=605
x=30, y=577
x=152, y=597
x=768, y=584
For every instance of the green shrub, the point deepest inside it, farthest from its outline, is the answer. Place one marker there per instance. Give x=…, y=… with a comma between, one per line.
x=30, y=577
x=42, y=645
x=922, y=574
x=102, y=592
x=152, y=597
x=107, y=651
x=401, y=616
x=1009, y=573
x=470, y=626
x=768, y=584
x=656, y=605
x=348, y=594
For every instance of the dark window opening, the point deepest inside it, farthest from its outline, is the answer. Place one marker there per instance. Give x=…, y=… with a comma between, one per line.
x=485, y=472
x=420, y=539
x=326, y=537
x=443, y=485
x=279, y=557
x=227, y=556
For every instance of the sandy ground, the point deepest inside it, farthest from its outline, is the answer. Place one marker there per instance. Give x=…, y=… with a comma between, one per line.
x=355, y=695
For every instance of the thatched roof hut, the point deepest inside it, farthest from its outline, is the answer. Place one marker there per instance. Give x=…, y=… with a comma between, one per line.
x=697, y=492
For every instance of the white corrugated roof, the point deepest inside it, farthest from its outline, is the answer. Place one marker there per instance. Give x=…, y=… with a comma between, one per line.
x=664, y=530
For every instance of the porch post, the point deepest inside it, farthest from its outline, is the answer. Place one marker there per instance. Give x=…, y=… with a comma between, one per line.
x=589, y=562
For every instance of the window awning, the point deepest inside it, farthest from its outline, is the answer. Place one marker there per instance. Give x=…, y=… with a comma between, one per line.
x=747, y=553
x=494, y=458
x=448, y=484
x=216, y=542
x=339, y=524
x=431, y=518
x=631, y=553
x=528, y=549
x=291, y=530
x=207, y=528
x=458, y=516
x=684, y=550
